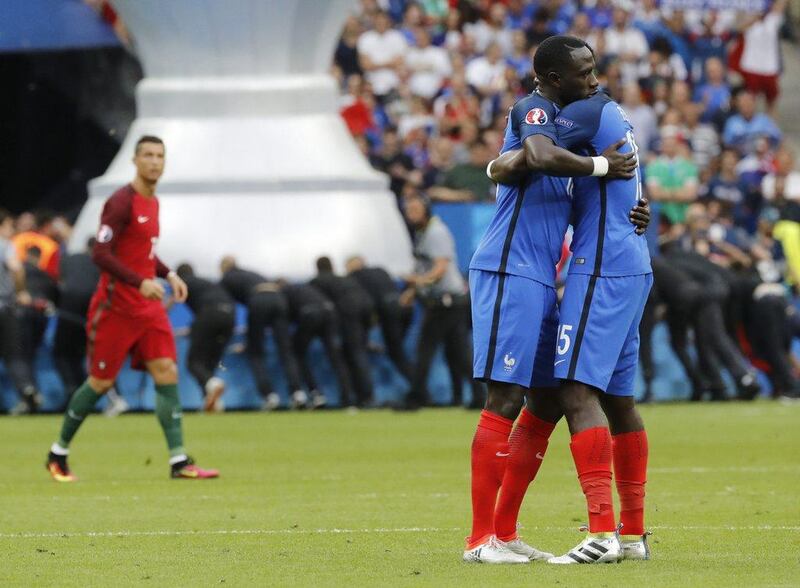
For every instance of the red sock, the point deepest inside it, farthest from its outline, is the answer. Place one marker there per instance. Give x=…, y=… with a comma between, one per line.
x=526, y=446
x=489, y=457
x=591, y=451
x=630, y=473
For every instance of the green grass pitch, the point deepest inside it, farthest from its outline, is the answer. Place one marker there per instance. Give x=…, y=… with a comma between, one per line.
x=382, y=499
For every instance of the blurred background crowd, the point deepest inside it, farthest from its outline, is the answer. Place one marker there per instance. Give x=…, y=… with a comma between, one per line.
x=425, y=90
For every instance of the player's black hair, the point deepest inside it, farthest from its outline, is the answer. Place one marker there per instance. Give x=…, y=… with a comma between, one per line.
x=425, y=202
x=43, y=217
x=185, y=269
x=324, y=265
x=554, y=54
x=147, y=139
x=661, y=45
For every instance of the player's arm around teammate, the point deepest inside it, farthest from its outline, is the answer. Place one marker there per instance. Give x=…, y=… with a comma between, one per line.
x=512, y=166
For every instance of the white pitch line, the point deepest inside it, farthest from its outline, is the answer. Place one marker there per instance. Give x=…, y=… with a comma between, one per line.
x=334, y=531
x=337, y=531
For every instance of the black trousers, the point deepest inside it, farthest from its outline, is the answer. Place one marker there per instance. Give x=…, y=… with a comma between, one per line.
x=444, y=325
x=32, y=326
x=679, y=322
x=770, y=333
x=714, y=344
x=69, y=342
x=319, y=321
x=211, y=330
x=646, y=327
x=394, y=320
x=716, y=351
x=11, y=351
x=269, y=309
x=354, y=328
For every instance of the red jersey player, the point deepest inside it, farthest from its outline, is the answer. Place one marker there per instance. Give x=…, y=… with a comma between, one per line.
x=126, y=315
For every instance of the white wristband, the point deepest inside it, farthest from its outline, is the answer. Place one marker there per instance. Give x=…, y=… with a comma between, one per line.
x=489, y=170
x=600, y=166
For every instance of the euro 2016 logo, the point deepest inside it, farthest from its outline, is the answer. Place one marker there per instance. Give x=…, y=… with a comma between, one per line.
x=536, y=116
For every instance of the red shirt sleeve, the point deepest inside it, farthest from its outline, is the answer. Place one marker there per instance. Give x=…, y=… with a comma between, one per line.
x=54, y=265
x=115, y=217
x=162, y=269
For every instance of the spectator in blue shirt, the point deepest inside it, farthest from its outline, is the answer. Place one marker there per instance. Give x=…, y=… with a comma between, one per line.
x=715, y=93
x=601, y=14
x=520, y=59
x=647, y=18
x=743, y=128
x=562, y=13
x=676, y=35
x=519, y=15
x=707, y=44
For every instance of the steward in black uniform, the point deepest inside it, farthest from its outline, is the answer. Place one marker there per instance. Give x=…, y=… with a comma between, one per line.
x=214, y=320
x=78, y=277
x=682, y=296
x=355, y=309
x=315, y=316
x=266, y=307
x=393, y=317
x=715, y=347
x=33, y=319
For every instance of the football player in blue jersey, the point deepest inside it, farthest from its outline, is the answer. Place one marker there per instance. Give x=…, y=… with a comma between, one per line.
x=598, y=334
x=514, y=307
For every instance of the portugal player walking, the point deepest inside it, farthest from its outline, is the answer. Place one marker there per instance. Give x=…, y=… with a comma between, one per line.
x=126, y=315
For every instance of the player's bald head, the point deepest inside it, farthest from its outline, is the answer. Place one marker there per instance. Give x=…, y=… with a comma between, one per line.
x=227, y=263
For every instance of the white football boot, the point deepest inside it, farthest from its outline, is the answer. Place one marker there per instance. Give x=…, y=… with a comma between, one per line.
x=494, y=551
x=635, y=547
x=597, y=548
x=271, y=402
x=299, y=399
x=116, y=404
x=519, y=547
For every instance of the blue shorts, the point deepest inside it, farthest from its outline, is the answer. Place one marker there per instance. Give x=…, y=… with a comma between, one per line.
x=598, y=337
x=514, y=322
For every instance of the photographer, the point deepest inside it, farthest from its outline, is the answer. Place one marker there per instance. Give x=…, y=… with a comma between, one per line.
x=441, y=289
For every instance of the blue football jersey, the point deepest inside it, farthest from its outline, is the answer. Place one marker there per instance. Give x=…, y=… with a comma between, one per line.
x=525, y=235
x=604, y=242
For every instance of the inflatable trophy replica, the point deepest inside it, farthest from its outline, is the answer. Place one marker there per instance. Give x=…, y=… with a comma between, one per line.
x=259, y=163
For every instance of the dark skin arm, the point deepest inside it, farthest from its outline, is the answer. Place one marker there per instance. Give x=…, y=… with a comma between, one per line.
x=540, y=155
x=512, y=167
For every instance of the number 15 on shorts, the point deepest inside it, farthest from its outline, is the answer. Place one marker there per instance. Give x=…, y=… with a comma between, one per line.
x=564, y=339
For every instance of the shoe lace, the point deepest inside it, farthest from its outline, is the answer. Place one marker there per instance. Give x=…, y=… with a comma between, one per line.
x=498, y=544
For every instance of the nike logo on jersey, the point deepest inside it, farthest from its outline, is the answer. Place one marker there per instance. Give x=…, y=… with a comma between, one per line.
x=558, y=362
x=539, y=456
x=142, y=219
x=498, y=454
